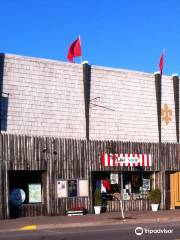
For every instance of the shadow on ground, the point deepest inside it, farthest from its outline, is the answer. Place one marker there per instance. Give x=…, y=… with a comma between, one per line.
x=120, y=218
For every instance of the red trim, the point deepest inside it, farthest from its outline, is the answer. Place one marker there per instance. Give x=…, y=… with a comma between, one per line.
x=142, y=160
x=147, y=160
x=103, y=159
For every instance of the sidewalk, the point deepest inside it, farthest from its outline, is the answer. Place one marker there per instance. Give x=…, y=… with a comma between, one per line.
x=46, y=222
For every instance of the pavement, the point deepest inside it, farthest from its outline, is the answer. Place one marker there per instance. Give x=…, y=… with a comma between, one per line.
x=48, y=222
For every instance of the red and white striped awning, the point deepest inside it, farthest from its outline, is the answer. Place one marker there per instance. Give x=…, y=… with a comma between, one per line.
x=126, y=160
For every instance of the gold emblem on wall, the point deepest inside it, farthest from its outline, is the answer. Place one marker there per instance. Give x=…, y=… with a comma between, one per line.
x=166, y=114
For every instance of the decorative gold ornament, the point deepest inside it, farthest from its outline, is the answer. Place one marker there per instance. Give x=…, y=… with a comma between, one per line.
x=166, y=114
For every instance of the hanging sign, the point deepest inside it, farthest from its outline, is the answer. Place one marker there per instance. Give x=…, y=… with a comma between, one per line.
x=114, y=178
x=125, y=196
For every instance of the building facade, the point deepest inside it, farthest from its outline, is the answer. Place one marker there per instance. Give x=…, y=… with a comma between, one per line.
x=67, y=129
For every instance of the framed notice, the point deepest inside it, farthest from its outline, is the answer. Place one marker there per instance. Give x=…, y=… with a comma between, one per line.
x=35, y=195
x=125, y=196
x=83, y=188
x=146, y=184
x=62, y=189
x=72, y=188
x=114, y=178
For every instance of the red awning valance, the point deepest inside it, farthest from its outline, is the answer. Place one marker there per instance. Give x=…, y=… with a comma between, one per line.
x=128, y=160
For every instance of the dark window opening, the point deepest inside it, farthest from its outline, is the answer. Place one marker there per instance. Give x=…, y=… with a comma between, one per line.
x=22, y=180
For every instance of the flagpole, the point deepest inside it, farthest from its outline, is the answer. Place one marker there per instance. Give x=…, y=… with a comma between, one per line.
x=81, y=48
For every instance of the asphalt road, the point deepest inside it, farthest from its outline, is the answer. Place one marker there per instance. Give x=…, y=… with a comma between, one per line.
x=113, y=232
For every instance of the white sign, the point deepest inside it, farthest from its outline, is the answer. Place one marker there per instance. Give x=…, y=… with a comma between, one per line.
x=61, y=188
x=125, y=196
x=83, y=188
x=127, y=159
x=114, y=178
x=35, y=193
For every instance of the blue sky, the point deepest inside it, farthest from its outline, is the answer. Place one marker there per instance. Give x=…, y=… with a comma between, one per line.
x=129, y=34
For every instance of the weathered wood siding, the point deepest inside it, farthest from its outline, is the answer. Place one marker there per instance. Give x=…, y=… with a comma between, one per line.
x=130, y=205
x=68, y=159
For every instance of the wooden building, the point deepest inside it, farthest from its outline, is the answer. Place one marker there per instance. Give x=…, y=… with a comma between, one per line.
x=65, y=128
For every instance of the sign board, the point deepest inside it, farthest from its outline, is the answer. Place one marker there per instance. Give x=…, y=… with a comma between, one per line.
x=35, y=195
x=114, y=178
x=126, y=160
x=125, y=196
x=146, y=184
x=62, y=188
x=83, y=188
x=17, y=196
x=72, y=188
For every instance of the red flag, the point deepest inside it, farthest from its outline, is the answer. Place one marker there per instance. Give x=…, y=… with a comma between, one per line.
x=74, y=50
x=161, y=62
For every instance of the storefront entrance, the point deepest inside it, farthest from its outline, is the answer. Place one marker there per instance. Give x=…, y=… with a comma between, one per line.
x=136, y=186
x=175, y=189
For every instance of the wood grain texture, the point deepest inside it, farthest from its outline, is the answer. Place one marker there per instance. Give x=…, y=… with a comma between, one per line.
x=75, y=159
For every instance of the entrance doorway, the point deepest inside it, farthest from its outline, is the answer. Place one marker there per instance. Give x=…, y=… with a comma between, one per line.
x=27, y=182
x=175, y=190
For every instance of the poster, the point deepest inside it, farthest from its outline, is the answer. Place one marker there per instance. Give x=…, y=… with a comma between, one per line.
x=136, y=182
x=72, y=188
x=83, y=188
x=114, y=178
x=146, y=184
x=61, y=188
x=35, y=193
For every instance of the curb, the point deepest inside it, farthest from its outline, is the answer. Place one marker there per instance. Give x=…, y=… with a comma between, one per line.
x=101, y=223
x=91, y=224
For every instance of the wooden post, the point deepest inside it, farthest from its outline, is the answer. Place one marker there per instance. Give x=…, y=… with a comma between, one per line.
x=2, y=56
x=87, y=85
x=158, y=99
x=176, y=102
